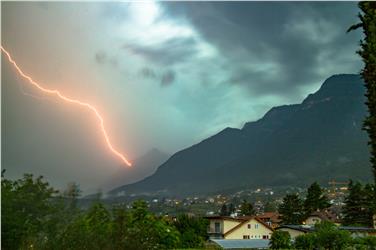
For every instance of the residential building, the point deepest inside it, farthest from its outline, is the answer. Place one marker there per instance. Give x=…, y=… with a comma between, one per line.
x=320, y=216
x=270, y=218
x=237, y=228
x=296, y=230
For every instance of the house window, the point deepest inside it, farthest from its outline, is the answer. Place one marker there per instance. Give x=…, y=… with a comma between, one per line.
x=245, y=237
x=256, y=226
x=217, y=227
x=265, y=237
x=249, y=226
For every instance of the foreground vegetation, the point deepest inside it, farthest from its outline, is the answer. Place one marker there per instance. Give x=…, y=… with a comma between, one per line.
x=36, y=216
x=326, y=236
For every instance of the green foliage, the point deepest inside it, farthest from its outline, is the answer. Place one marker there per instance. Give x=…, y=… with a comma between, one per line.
x=34, y=216
x=305, y=241
x=192, y=230
x=315, y=199
x=291, y=209
x=227, y=210
x=146, y=231
x=368, y=53
x=328, y=236
x=224, y=210
x=270, y=207
x=364, y=243
x=359, y=205
x=280, y=240
x=246, y=208
x=231, y=209
x=71, y=194
x=26, y=206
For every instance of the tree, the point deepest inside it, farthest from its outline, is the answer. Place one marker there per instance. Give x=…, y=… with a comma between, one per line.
x=246, y=208
x=315, y=199
x=366, y=243
x=88, y=230
x=325, y=236
x=72, y=193
x=192, y=230
x=231, y=209
x=146, y=231
x=306, y=241
x=270, y=207
x=357, y=209
x=369, y=203
x=328, y=236
x=291, y=209
x=368, y=54
x=224, y=210
x=280, y=240
x=119, y=225
x=26, y=206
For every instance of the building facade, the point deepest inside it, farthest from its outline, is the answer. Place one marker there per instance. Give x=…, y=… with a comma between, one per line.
x=249, y=227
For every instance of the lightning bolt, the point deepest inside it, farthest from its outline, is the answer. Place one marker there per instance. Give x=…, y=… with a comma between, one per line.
x=70, y=100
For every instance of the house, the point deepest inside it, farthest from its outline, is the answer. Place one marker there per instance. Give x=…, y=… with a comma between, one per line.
x=237, y=228
x=320, y=216
x=270, y=218
x=296, y=230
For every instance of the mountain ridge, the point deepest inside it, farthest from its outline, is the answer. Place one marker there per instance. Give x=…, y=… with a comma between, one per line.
x=319, y=138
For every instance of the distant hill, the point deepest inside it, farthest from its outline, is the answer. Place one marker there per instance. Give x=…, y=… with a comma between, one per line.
x=142, y=167
x=319, y=139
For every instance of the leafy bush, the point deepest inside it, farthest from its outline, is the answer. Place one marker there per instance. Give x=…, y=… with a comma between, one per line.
x=280, y=240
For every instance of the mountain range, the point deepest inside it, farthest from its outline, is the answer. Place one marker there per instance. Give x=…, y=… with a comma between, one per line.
x=317, y=140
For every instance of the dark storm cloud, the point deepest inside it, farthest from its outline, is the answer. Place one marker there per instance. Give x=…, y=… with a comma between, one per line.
x=148, y=73
x=100, y=57
x=172, y=51
x=275, y=47
x=167, y=78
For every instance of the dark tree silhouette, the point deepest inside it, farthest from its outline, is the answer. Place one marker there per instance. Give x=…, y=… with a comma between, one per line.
x=315, y=200
x=291, y=209
x=367, y=51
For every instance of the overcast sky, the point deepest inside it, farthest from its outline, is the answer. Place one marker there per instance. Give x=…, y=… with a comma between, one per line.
x=163, y=74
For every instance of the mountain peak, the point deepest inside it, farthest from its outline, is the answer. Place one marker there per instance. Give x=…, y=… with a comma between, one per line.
x=341, y=85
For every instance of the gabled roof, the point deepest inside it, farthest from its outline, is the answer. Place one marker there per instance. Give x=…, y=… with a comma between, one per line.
x=273, y=216
x=324, y=215
x=246, y=219
x=268, y=215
